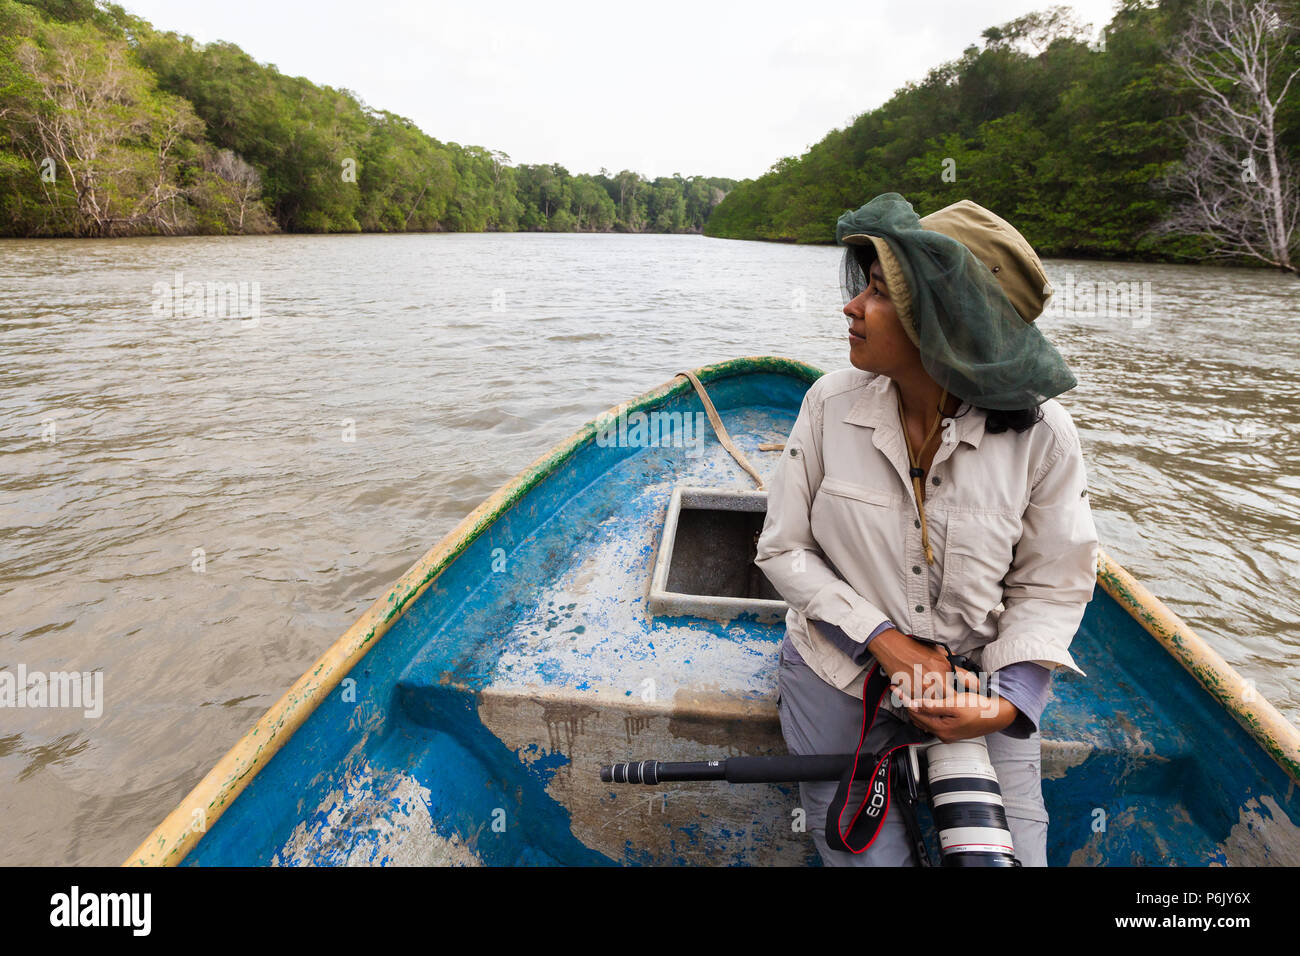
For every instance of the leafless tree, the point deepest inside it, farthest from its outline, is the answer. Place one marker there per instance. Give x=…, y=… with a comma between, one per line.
x=244, y=185
x=1236, y=186
x=119, y=160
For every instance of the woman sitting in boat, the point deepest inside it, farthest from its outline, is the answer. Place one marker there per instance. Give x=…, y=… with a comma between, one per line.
x=932, y=496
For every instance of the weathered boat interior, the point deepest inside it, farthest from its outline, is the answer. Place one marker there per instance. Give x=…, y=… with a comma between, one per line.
x=472, y=732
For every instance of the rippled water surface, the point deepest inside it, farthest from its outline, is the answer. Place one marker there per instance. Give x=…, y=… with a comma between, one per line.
x=452, y=361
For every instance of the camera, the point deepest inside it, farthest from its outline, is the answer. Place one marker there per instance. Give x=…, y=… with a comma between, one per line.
x=961, y=787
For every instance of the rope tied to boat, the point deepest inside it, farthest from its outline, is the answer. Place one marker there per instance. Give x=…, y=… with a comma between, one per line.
x=721, y=430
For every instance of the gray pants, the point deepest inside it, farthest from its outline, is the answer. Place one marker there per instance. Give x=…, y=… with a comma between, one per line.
x=817, y=718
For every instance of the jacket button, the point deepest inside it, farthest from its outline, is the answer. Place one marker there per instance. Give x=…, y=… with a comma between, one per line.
x=916, y=569
x=917, y=522
x=794, y=452
x=920, y=608
x=935, y=479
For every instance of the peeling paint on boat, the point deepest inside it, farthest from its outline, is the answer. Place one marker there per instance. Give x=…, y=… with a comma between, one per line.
x=1060, y=756
x=674, y=824
x=1264, y=836
x=369, y=821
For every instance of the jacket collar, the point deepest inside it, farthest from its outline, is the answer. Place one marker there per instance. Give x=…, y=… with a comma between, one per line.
x=877, y=408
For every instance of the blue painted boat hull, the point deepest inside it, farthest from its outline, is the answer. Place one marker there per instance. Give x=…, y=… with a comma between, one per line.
x=473, y=730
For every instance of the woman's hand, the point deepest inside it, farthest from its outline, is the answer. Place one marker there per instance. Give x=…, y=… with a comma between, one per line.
x=963, y=713
x=910, y=664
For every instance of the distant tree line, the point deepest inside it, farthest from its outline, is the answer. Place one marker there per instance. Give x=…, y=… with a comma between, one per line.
x=109, y=127
x=1083, y=140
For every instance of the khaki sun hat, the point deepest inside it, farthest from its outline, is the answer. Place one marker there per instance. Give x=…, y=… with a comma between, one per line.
x=993, y=240
x=967, y=287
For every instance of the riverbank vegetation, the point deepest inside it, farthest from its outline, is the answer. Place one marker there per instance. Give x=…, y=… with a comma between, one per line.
x=1077, y=136
x=1125, y=142
x=109, y=127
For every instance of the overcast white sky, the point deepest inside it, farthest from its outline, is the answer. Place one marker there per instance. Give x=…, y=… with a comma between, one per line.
x=705, y=87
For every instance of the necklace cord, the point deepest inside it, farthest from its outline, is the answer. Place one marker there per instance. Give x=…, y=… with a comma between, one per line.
x=917, y=472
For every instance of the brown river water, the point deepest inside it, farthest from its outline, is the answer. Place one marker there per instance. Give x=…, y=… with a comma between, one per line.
x=194, y=505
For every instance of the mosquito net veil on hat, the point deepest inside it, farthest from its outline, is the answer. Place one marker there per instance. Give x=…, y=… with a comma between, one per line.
x=967, y=287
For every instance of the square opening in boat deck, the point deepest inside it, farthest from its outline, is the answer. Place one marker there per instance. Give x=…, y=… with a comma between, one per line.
x=705, y=566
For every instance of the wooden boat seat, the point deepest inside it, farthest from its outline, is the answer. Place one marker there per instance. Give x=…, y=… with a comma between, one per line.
x=601, y=726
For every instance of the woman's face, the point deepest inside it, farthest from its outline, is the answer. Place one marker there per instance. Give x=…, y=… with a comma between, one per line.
x=877, y=342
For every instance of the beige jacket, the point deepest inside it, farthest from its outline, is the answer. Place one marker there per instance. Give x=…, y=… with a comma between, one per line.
x=1013, y=537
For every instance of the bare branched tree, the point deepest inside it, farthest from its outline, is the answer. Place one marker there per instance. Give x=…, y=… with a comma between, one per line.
x=1236, y=186
x=86, y=116
x=244, y=185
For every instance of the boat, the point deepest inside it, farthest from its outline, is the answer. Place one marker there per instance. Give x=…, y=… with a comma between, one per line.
x=603, y=605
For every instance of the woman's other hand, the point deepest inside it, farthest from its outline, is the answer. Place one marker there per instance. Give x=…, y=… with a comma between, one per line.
x=961, y=714
x=910, y=664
